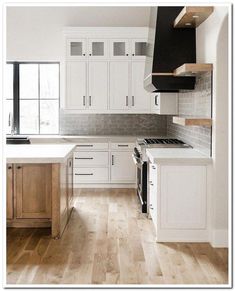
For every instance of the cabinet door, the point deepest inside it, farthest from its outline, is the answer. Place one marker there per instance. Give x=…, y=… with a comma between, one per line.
x=33, y=190
x=119, y=85
x=9, y=191
x=76, y=85
x=122, y=167
x=76, y=49
x=119, y=49
x=183, y=197
x=138, y=48
x=98, y=48
x=98, y=85
x=140, y=98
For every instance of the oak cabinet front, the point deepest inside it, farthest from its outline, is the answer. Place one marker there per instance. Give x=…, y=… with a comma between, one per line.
x=33, y=190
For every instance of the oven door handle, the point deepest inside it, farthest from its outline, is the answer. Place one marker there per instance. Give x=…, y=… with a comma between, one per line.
x=136, y=160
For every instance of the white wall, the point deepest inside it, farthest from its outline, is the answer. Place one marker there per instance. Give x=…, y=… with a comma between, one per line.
x=212, y=47
x=35, y=33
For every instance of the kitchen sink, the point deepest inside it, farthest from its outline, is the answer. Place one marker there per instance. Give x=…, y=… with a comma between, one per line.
x=18, y=140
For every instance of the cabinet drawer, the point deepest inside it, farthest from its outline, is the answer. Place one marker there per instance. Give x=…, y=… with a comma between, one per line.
x=91, y=159
x=92, y=146
x=91, y=175
x=122, y=145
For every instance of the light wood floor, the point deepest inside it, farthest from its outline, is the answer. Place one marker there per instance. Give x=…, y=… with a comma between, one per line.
x=109, y=241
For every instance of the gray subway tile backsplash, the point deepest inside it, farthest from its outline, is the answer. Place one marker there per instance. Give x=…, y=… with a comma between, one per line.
x=195, y=103
x=112, y=124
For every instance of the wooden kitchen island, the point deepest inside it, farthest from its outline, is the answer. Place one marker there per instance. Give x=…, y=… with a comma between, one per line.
x=40, y=186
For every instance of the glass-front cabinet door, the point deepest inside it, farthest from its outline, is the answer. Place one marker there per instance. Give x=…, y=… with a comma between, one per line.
x=138, y=48
x=98, y=48
x=119, y=48
x=76, y=48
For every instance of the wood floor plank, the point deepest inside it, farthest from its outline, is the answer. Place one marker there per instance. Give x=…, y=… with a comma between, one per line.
x=109, y=241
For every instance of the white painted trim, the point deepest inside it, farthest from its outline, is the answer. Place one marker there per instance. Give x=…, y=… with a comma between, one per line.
x=182, y=235
x=107, y=185
x=109, y=32
x=219, y=238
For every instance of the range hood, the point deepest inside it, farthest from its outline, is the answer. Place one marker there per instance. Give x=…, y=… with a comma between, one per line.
x=167, y=49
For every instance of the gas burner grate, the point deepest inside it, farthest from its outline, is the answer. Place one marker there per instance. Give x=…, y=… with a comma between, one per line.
x=163, y=141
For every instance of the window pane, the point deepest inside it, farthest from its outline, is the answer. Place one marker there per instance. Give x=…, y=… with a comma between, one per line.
x=49, y=113
x=9, y=114
x=9, y=82
x=29, y=116
x=49, y=81
x=28, y=81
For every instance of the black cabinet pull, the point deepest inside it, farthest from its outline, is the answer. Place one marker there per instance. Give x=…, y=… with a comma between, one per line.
x=156, y=100
x=123, y=145
x=19, y=167
x=90, y=174
x=83, y=158
x=85, y=145
x=9, y=167
x=112, y=160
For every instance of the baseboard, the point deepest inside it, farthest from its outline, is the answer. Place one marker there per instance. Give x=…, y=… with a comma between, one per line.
x=182, y=235
x=100, y=185
x=219, y=238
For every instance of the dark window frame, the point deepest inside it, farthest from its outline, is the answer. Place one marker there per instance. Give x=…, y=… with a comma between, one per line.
x=16, y=95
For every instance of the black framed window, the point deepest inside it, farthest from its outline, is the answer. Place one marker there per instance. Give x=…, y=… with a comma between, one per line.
x=32, y=97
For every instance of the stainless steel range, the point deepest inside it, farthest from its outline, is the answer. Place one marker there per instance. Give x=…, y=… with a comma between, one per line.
x=141, y=161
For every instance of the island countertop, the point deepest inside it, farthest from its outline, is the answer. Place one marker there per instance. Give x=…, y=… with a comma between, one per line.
x=35, y=153
x=173, y=155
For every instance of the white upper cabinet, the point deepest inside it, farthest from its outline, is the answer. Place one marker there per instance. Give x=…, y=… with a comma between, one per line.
x=119, y=49
x=138, y=48
x=98, y=85
x=76, y=49
x=104, y=70
x=76, y=83
x=140, y=98
x=119, y=85
x=98, y=48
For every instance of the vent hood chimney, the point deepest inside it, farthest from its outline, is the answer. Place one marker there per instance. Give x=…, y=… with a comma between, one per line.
x=167, y=49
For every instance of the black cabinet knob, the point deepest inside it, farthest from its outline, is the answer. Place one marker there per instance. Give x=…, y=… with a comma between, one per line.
x=19, y=167
x=127, y=54
x=9, y=167
x=84, y=55
x=133, y=54
x=89, y=54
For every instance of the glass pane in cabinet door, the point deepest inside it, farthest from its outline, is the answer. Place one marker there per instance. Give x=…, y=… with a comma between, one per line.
x=29, y=117
x=119, y=48
x=8, y=92
x=140, y=48
x=49, y=116
x=97, y=48
x=28, y=81
x=76, y=48
x=49, y=81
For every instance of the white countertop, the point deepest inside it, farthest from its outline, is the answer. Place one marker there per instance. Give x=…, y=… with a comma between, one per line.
x=43, y=153
x=182, y=155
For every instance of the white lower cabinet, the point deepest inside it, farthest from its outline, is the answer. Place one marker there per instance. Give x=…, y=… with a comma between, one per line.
x=178, y=202
x=122, y=167
x=91, y=175
x=104, y=163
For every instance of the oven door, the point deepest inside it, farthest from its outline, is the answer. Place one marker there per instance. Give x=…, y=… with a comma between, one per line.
x=141, y=168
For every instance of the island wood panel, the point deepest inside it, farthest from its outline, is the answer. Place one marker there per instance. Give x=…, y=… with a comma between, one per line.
x=192, y=16
x=33, y=190
x=61, y=199
x=10, y=192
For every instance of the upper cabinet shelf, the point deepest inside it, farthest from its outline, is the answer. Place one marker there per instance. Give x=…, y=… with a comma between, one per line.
x=192, y=16
x=192, y=69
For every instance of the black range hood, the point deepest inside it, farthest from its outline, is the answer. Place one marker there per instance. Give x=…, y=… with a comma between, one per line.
x=167, y=49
